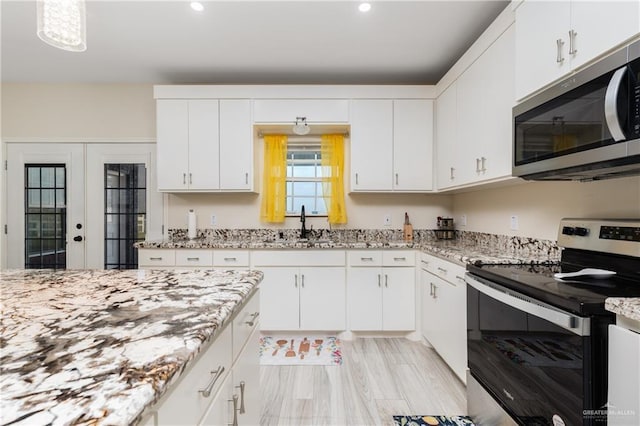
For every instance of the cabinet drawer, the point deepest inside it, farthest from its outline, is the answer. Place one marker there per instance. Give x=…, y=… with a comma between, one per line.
x=364, y=258
x=245, y=322
x=399, y=258
x=156, y=257
x=231, y=258
x=315, y=110
x=185, y=404
x=194, y=257
x=448, y=271
x=298, y=258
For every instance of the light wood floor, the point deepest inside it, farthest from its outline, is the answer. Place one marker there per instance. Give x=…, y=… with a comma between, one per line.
x=378, y=379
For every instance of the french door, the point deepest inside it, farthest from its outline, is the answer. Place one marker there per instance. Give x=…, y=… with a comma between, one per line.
x=76, y=205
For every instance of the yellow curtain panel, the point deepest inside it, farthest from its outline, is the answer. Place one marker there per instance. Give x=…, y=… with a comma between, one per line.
x=332, y=158
x=275, y=177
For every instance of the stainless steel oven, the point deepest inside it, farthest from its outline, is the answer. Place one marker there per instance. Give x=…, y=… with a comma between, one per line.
x=585, y=127
x=537, y=344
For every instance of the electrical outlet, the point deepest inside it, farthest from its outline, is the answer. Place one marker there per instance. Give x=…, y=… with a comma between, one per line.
x=213, y=219
x=387, y=220
x=463, y=220
x=514, y=222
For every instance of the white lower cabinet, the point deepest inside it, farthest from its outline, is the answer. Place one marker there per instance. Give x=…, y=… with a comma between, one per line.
x=381, y=298
x=227, y=370
x=444, y=311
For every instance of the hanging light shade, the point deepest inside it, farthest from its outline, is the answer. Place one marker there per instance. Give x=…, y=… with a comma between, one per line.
x=62, y=24
x=301, y=127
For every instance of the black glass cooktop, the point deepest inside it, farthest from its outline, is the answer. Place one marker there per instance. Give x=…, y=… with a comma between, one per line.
x=581, y=296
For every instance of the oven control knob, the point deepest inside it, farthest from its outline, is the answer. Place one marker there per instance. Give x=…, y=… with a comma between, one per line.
x=582, y=232
x=568, y=230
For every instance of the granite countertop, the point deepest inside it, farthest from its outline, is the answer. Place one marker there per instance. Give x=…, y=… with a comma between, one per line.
x=98, y=347
x=626, y=306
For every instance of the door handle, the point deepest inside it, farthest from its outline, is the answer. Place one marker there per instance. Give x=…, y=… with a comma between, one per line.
x=611, y=103
x=77, y=238
x=241, y=387
x=559, y=44
x=572, y=42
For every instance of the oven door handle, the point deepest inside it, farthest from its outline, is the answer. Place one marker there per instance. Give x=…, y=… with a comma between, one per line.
x=574, y=324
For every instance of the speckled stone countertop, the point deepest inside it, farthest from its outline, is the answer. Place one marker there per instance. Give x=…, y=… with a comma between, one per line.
x=98, y=347
x=467, y=247
x=626, y=306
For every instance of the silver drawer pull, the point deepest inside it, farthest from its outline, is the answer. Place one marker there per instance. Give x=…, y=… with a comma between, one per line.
x=252, y=321
x=397, y=259
x=370, y=259
x=379, y=282
x=230, y=259
x=206, y=392
x=444, y=271
x=460, y=278
x=193, y=258
x=241, y=387
x=155, y=258
x=235, y=410
x=386, y=280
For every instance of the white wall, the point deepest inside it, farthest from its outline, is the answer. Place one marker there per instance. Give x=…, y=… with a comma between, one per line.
x=540, y=205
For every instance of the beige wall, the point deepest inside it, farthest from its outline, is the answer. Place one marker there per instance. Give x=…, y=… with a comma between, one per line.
x=540, y=205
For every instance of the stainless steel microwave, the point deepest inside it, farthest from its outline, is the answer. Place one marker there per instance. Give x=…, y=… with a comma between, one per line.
x=587, y=127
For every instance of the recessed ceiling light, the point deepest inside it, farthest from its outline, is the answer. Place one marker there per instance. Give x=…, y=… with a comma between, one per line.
x=364, y=7
x=197, y=6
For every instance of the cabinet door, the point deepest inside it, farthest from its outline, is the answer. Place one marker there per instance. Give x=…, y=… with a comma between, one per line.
x=539, y=24
x=279, y=299
x=204, y=146
x=371, y=145
x=485, y=109
x=236, y=145
x=430, y=314
x=246, y=381
x=322, y=299
x=172, y=122
x=446, y=136
x=364, y=297
x=624, y=376
x=413, y=145
x=589, y=18
x=398, y=299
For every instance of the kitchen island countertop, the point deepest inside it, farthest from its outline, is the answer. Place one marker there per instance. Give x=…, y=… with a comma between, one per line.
x=99, y=347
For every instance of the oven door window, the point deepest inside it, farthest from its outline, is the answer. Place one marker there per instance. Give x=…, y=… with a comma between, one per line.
x=573, y=122
x=533, y=367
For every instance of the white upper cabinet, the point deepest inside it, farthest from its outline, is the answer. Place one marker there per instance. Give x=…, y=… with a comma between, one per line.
x=391, y=145
x=446, y=136
x=555, y=37
x=412, y=144
x=315, y=110
x=204, y=145
x=371, y=145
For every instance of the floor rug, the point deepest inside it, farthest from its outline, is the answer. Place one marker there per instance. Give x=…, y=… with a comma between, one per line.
x=432, y=420
x=306, y=350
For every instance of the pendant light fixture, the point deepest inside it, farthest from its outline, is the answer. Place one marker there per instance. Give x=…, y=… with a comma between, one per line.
x=301, y=127
x=62, y=24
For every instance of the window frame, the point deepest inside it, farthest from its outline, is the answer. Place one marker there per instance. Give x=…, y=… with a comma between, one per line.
x=310, y=146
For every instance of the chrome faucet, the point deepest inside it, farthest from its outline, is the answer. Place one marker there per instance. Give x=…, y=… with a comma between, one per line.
x=303, y=230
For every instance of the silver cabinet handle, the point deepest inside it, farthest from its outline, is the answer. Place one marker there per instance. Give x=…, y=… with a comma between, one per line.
x=246, y=178
x=572, y=42
x=396, y=179
x=451, y=173
x=230, y=259
x=483, y=160
x=252, y=321
x=424, y=262
x=193, y=258
x=444, y=271
x=155, y=258
x=460, y=278
x=379, y=281
x=296, y=281
x=190, y=178
x=302, y=280
x=386, y=280
x=611, y=105
x=356, y=178
x=397, y=259
x=241, y=387
x=206, y=392
x=477, y=165
x=431, y=289
x=184, y=178
x=369, y=259
x=559, y=44
x=435, y=287
x=234, y=399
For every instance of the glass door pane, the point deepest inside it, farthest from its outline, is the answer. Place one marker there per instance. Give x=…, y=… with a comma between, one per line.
x=45, y=216
x=124, y=213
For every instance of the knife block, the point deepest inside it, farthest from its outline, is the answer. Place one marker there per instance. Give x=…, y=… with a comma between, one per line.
x=407, y=232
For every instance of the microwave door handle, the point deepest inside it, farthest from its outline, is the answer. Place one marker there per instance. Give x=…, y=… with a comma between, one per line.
x=611, y=105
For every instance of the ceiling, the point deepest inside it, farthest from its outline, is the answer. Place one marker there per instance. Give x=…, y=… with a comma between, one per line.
x=244, y=42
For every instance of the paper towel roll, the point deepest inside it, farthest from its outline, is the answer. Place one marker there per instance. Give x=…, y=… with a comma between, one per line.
x=191, y=224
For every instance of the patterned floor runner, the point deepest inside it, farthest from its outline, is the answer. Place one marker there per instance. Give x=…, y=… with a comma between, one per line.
x=309, y=350
x=432, y=421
